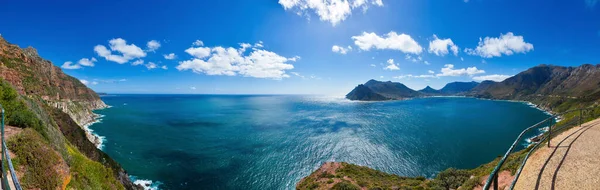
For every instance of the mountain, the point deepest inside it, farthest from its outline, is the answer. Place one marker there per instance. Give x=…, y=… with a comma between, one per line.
x=50, y=109
x=429, y=90
x=549, y=86
x=374, y=90
x=458, y=88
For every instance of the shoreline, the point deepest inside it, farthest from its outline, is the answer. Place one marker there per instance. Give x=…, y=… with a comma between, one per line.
x=89, y=133
x=99, y=142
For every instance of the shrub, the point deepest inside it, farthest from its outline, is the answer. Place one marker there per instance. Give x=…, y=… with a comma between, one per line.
x=345, y=185
x=38, y=158
x=452, y=178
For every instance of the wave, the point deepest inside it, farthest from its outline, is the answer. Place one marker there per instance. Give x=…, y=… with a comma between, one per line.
x=146, y=183
x=100, y=139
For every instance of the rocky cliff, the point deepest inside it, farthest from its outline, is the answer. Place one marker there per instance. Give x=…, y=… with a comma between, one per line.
x=46, y=88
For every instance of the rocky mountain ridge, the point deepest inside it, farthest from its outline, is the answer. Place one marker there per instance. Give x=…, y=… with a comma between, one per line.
x=549, y=86
x=46, y=88
x=374, y=90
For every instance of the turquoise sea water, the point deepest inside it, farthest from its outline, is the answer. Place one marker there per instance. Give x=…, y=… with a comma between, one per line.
x=271, y=142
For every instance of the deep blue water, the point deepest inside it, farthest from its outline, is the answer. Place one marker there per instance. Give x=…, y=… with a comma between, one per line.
x=271, y=142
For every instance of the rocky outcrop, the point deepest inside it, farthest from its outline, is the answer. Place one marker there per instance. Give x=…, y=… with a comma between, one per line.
x=40, y=80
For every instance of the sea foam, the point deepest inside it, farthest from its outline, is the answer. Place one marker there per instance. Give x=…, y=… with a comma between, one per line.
x=101, y=139
x=146, y=183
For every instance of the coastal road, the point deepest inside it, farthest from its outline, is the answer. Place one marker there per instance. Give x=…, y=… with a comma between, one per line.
x=571, y=162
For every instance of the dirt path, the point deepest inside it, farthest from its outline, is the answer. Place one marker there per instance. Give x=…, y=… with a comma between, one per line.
x=571, y=162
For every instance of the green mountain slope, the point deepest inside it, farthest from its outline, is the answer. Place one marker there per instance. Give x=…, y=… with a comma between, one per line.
x=53, y=151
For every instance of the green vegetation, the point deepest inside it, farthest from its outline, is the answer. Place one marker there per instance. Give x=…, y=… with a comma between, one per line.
x=88, y=174
x=345, y=185
x=361, y=177
x=16, y=110
x=39, y=160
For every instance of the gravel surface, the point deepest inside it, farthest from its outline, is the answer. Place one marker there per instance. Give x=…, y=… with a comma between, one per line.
x=571, y=162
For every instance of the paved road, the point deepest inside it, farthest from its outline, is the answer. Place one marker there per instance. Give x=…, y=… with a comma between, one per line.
x=571, y=162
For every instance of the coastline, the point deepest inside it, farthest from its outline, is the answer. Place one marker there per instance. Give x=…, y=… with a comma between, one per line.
x=99, y=140
x=89, y=133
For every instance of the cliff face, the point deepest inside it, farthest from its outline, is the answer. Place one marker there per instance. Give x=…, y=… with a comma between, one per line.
x=31, y=75
x=61, y=102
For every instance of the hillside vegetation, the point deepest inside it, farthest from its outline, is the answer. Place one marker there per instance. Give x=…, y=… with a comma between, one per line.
x=52, y=151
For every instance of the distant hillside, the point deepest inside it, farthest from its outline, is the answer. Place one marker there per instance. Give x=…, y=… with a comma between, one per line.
x=547, y=85
x=429, y=90
x=458, y=88
x=376, y=90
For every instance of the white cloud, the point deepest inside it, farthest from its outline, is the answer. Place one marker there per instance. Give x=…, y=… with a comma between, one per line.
x=381, y=77
x=461, y=59
x=94, y=82
x=391, y=65
x=495, y=77
x=170, y=56
x=506, y=44
x=440, y=47
x=391, y=40
x=82, y=62
x=87, y=62
x=230, y=61
x=294, y=59
x=84, y=81
x=298, y=75
x=151, y=65
x=415, y=76
x=341, y=50
x=164, y=67
x=430, y=72
x=70, y=65
x=426, y=62
x=373, y=65
x=259, y=44
x=449, y=70
x=127, y=51
x=333, y=11
x=198, y=43
x=198, y=52
x=137, y=62
x=152, y=45
x=192, y=88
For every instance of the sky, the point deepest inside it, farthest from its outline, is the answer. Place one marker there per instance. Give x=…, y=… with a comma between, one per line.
x=300, y=46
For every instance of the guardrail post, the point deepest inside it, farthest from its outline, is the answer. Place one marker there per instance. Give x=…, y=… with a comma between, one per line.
x=580, y=117
x=549, y=131
x=4, y=179
x=496, y=181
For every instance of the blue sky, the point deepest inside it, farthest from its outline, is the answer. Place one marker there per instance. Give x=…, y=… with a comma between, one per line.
x=287, y=46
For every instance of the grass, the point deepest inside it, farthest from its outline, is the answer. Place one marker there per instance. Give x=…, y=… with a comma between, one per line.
x=88, y=174
x=38, y=159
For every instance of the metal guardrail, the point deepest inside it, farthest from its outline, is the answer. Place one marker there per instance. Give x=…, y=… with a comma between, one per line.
x=6, y=160
x=546, y=136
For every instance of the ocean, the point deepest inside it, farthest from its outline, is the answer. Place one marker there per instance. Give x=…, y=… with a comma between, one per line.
x=272, y=141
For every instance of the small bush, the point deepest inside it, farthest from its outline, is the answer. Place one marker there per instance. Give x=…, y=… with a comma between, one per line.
x=38, y=158
x=452, y=178
x=345, y=185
